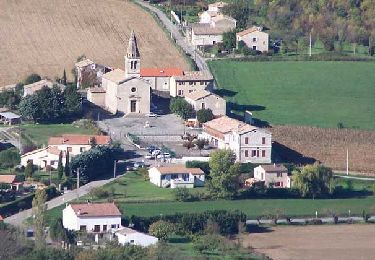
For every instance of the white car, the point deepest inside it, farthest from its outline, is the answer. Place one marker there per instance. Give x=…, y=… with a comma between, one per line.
x=164, y=155
x=149, y=156
x=152, y=114
x=155, y=152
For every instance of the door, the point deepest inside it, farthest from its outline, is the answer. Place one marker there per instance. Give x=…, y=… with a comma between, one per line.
x=133, y=106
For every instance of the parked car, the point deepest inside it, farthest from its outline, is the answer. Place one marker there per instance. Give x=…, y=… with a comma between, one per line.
x=151, y=114
x=155, y=152
x=151, y=148
x=163, y=155
x=149, y=156
x=135, y=166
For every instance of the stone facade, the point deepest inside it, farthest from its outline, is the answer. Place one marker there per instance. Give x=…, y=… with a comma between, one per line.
x=203, y=99
x=254, y=38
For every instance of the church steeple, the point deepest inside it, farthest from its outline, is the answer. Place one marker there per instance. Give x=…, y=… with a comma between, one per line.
x=132, y=58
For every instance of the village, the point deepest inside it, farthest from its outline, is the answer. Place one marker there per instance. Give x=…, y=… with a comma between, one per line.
x=151, y=156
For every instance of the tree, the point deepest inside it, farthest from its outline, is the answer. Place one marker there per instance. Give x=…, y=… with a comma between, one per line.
x=161, y=229
x=32, y=78
x=181, y=107
x=204, y=115
x=313, y=180
x=60, y=167
x=29, y=170
x=72, y=101
x=224, y=174
x=57, y=231
x=229, y=40
x=39, y=213
x=200, y=143
x=239, y=10
x=10, y=157
x=67, y=165
x=29, y=107
x=64, y=78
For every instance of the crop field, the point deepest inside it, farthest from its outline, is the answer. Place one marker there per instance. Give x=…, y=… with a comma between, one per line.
x=327, y=145
x=46, y=37
x=321, y=94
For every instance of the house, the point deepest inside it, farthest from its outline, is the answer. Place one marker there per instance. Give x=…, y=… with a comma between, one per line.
x=214, y=9
x=249, y=143
x=89, y=73
x=208, y=34
x=189, y=82
x=176, y=176
x=125, y=91
x=160, y=78
x=92, y=217
x=96, y=95
x=36, y=86
x=12, y=180
x=72, y=143
x=273, y=175
x=130, y=236
x=254, y=38
x=10, y=118
x=203, y=99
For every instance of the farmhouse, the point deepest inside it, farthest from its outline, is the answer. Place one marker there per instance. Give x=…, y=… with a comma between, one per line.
x=176, y=176
x=203, y=99
x=273, y=176
x=89, y=73
x=189, y=82
x=12, y=180
x=208, y=34
x=214, y=9
x=249, y=143
x=68, y=143
x=254, y=38
x=32, y=88
x=130, y=236
x=92, y=217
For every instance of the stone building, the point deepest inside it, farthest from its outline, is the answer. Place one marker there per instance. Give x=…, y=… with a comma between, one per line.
x=203, y=99
x=254, y=38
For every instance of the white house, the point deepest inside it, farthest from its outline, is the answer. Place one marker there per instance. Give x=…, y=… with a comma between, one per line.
x=254, y=38
x=130, y=236
x=214, y=9
x=176, y=176
x=249, y=143
x=273, y=175
x=92, y=217
x=72, y=143
x=203, y=99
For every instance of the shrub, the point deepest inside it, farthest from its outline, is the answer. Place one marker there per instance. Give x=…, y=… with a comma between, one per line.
x=183, y=194
x=99, y=193
x=204, y=166
x=162, y=229
x=10, y=157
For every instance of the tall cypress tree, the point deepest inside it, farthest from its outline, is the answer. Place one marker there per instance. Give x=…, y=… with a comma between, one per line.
x=67, y=166
x=64, y=78
x=60, y=167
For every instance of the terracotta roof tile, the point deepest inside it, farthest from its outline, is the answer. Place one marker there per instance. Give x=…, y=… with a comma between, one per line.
x=7, y=178
x=248, y=30
x=78, y=139
x=95, y=209
x=194, y=75
x=39, y=85
x=274, y=167
x=226, y=124
x=116, y=75
x=179, y=169
x=163, y=72
x=198, y=94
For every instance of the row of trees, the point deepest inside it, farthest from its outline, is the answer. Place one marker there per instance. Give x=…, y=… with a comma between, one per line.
x=51, y=105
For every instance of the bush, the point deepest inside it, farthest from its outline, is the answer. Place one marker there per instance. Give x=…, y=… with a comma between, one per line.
x=32, y=78
x=183, y=194
x=10, y=157
x=181, y=107
x=204, y=166
x=99, y=193
x=204, y=115
x=162, y=229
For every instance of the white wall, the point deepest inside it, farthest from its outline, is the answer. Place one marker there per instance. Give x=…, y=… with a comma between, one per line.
x=206, y=40
x=268, y=178
x=138, y=238
x=154, y=176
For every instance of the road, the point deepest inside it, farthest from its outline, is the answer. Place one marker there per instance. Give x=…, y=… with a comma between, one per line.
x=178, y=37
x=19, y=218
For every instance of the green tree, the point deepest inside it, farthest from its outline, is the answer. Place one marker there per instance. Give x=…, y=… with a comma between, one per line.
x=229, y=40
x=204, y=115
x=67, y=165
x=10, y=157
x=72, y=101
x=64, y=78
x=39, y=214
x=57, y=231
x=29, y=108
x=29, y=170
x=60, y=167
x=240, y=11
x=181, y=107
x=313, y=180
x=200, y=143
x=32, y=78
x=161, y=229
x=224, y=174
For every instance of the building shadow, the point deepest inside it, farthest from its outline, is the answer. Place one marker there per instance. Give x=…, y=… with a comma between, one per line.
x=251, y=228
x=225, y=92
x=285, y=154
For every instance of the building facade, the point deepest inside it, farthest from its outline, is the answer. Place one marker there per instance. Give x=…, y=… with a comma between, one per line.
x=92, y=217
x=273, y=176
x=249, y=143
x=130, y=236
x=254, y=38
x=189, y=82
x=203, y=99
x=159, y=79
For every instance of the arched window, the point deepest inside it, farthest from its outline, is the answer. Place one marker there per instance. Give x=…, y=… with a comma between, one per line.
x=135, y=65
x=131, y=65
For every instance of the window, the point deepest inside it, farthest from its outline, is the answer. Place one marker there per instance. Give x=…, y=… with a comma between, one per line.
x=185, y=177
x=179, y=83
x=263, y=140
x=279, y=174
x=277, y=184
x=254, y=39
x=190, y=82
x=70, y=149
x=104, y=227
x=246, y=140
x=258, y=152
x=246, y=153
x=132, y=241
x=113, y=226
x=202, y=83
x=134, y=89
x=97, y=228
x=180, y=92
x=174, y=176
x=263, y=153
x=82, y=228
x=190, y=90
x=254, y=48
x=82, y=149
x=203, y=106
x=253, y=153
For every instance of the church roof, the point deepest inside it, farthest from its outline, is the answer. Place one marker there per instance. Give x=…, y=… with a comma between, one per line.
x=133, y=51
x=164, y=72
x=117, y=75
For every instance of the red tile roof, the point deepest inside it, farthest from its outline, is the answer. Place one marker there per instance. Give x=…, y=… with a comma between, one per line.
x=7, y=178
x=163, y=72
x=78, y=139
x=179, y=169
x=96, y=209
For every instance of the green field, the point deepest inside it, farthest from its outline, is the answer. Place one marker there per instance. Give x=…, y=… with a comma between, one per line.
x=39, y=133
x=321, y=93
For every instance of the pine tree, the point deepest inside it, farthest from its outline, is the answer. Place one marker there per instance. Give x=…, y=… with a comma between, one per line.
x=39, y=213
x=60, y=167
x=64, y=78
x=67, y=165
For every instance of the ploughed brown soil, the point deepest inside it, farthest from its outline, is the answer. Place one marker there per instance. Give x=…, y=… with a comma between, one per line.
x=46, y=37
x=315, y=242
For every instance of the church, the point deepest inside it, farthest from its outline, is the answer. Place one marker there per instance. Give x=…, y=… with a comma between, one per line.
x=124, y=92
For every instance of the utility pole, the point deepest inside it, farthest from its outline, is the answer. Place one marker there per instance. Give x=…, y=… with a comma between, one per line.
x=77, y=183
x=347, y=161
x=310, y=46
x=114, y=169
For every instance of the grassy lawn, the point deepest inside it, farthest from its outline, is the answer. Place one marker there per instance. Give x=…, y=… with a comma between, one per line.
x=39, y=133
x=301, y=93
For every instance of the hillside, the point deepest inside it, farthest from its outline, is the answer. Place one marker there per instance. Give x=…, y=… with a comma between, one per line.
x=44, y=37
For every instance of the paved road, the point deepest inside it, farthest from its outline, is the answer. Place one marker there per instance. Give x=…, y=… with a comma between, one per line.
x=327, y=220
x=355, y=177
x=19, y=218
x=179, y=38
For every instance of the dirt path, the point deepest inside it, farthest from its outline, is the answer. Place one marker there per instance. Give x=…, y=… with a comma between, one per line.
x=316, y=242
x=46, y=37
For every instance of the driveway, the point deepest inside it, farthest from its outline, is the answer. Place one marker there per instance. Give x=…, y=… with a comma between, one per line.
x=19, y=218
x=178, y=37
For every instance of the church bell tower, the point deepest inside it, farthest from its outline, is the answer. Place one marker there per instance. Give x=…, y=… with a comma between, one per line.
x=132, y=58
